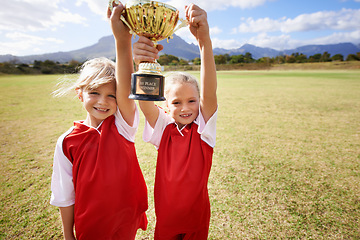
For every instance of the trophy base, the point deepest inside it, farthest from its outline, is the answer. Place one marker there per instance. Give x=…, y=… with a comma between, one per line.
x=146, y=97
x=147, y=87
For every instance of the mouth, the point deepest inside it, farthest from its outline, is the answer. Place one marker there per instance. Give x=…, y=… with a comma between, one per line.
x=186, y=115
x=101, y=109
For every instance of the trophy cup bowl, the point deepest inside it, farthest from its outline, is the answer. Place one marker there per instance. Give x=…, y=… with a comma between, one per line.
x=156, y=21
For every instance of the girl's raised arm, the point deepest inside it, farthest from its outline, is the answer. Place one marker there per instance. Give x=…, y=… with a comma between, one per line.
x=199, y=27
x=124, y=64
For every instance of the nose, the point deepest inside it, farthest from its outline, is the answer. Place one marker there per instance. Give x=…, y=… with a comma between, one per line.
x=102, y=100
x=185, y=107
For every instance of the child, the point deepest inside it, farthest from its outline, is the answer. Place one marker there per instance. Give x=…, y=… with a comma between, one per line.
x=97, y=181
x=184, y=137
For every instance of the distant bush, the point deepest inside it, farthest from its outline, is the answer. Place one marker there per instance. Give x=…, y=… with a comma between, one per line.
x=39, y=67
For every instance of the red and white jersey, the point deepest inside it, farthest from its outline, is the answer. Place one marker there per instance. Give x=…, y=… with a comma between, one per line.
x=182, y=172
x=207, y=130
x=97, y=170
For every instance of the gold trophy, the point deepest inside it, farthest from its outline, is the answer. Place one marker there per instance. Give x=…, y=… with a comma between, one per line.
x=156, y=21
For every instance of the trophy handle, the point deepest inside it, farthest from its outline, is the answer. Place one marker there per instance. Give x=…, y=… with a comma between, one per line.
x=127, y=24
x=111, y=4
x=122, y=16
x=183, y=23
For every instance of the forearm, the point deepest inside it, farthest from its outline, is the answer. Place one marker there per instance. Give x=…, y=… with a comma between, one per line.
x=208, y=67
x=199, y=27
x=124, y=69
x=124, y=66
x=208, y=79
x=150, y=111
x=67, y=217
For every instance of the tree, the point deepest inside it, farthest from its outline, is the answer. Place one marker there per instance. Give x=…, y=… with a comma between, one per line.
x=301, y=58
x=236, y=59
x=280, y=59
x=325, y=57
x=248, y=58
x=196, y=61
x=337, y=57
x=265, y=60
x=315, y=58
x=220, y=59
x=167, y=59
x=290, y=58
x=183, y=62
x=353, y=57
x=7, y=67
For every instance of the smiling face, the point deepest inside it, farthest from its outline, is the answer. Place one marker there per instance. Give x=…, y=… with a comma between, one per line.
x=100, y=103
x=183, y=103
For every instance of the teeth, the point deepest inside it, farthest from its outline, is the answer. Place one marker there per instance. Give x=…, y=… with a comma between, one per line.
x=101, y=109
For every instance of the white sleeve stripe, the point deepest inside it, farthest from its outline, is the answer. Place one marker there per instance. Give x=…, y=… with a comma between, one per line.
x=207, y=130
x=153, y=135
x=62, y=187
x=128, y=132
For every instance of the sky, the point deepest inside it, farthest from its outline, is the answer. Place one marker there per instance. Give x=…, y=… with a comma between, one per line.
x=29, y=27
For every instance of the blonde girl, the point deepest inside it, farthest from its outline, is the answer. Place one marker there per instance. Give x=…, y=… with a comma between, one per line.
x=97, y=182
x=184, y=137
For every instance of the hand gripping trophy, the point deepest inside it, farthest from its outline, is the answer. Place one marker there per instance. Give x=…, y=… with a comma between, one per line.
x=156, y=21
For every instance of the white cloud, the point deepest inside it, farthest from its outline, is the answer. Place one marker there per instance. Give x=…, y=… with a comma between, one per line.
x=17, y=36
x=35, y=15
x=345, y=19
x=337, y=37
x=279, y=42
x=215, y=30
x=99, y=7
x=96, y=6
x=17, y=43
x=210, y=5
x=259, y=25
x=186, y=35
x=25, y=18
x=226, y=44
x=285, y=41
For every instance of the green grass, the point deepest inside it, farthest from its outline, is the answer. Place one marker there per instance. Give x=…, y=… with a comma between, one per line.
x=286, y=164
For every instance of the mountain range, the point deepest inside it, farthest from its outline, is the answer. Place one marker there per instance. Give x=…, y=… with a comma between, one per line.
x=178, y=47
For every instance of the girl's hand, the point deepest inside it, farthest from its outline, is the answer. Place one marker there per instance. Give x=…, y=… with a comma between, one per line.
x=145, y=51
x=119, y=29
x=198, y=24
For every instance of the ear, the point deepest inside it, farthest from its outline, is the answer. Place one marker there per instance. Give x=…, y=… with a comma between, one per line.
x=79, y=93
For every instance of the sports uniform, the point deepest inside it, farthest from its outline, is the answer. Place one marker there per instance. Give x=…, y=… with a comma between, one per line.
x=97, y=170
x=184, y=161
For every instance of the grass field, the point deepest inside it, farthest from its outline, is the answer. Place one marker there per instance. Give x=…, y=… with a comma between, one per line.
x=286, y=164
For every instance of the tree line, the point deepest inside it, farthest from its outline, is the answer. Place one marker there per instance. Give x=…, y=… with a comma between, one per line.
x=293, y=58
x=40, y=67
x=51, y=67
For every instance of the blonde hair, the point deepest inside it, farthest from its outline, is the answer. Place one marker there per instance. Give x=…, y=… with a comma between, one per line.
x=93, y=74
x=179, y=78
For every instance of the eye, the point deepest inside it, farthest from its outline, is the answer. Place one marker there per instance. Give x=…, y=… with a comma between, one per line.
x=94, y=93
x=112, y=96
x=176, y=103
x=192, y=101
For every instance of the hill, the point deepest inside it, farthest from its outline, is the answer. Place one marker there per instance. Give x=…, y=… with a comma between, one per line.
x=178, y=47
x=341, y=48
